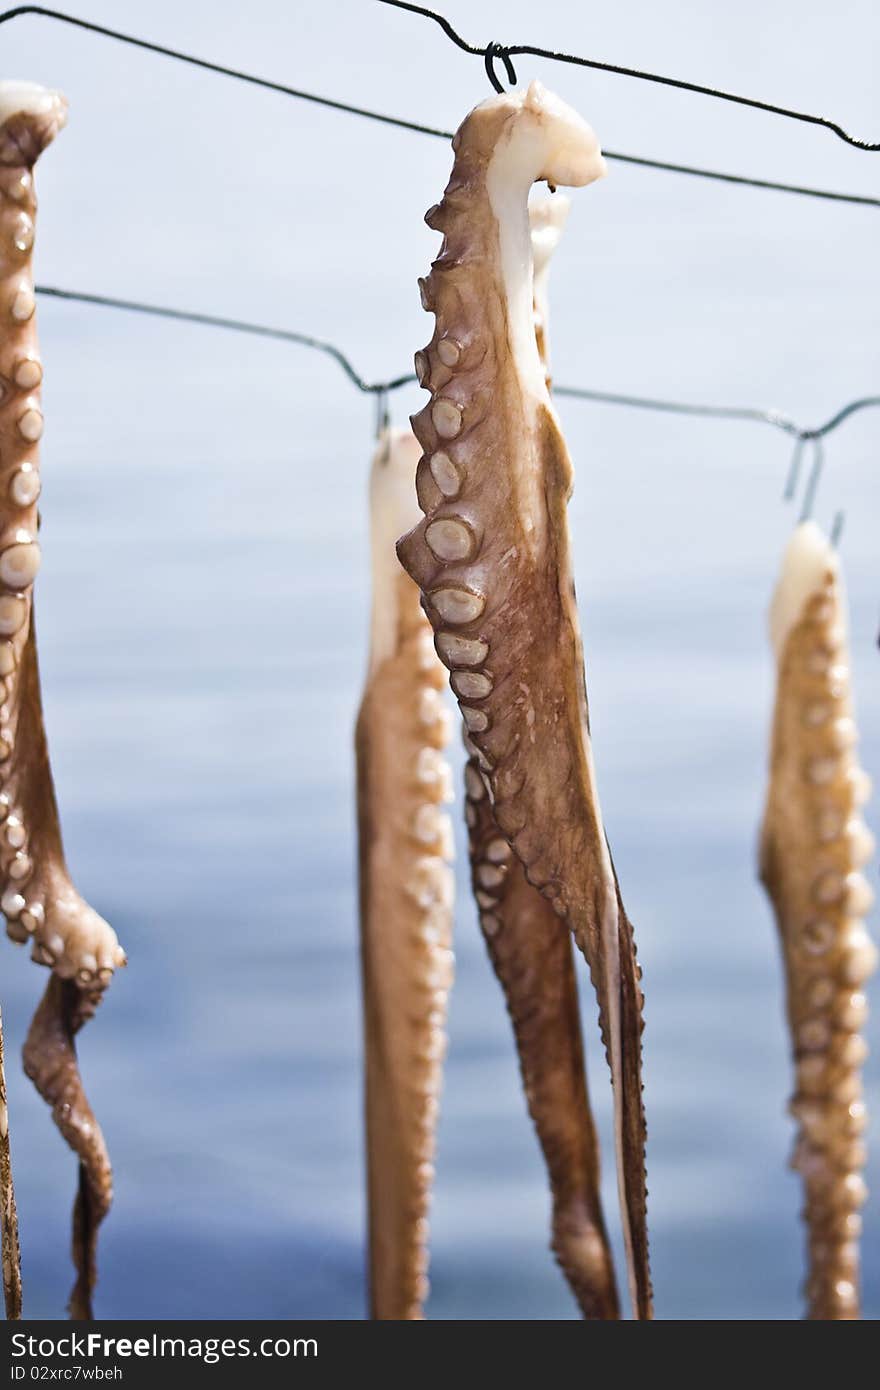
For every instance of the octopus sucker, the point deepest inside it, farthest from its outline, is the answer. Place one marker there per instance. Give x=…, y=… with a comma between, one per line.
x=37, y=896
x=814, y=846
x=406, y=897
x=11, y=1252
x=51, y=1064
x=492, y=417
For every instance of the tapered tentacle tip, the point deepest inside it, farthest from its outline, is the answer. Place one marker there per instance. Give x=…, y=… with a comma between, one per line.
x=584, y=1257
x=30, y=118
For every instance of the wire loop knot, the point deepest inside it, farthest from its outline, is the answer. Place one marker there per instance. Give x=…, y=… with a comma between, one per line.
x=493, y=51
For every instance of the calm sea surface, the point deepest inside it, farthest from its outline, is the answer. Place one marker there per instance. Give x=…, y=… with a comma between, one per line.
x=202, y=622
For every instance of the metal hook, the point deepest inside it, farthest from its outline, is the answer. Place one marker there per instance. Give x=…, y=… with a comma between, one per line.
x=493, y=51
x=837, y=528
x=794, y=469
x=813, y=480
x=383, y=417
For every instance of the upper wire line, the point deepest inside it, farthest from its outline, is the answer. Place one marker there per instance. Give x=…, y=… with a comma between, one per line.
x=401, y=122
x=507, y=51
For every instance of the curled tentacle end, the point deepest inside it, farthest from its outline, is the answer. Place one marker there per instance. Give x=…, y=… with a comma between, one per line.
x=67, y=934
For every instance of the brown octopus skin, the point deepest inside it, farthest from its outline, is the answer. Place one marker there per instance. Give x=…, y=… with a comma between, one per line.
x=406, y=896
x=37, y=896
x=497, y=583
x=531, y=954
x=11, y=1252
x=813, y=845
x=50, y=1062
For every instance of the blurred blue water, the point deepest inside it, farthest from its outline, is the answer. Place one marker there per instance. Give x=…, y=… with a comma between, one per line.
x=202, y=619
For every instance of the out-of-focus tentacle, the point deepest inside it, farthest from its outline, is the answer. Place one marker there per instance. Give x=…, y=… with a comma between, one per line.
x=406, y=897
x=814, y=845
x=547, y=219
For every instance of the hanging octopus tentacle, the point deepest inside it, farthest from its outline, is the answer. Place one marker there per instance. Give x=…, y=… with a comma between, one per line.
x=531, y=953
x=406, y=895
x=814, y=844
x=492, y=558
x=11, y=1251
x=51, y=1064
x=37, y=896
x=530, y=950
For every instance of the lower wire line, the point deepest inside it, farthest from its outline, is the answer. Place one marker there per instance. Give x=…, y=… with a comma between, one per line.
x=259, y=330
x=382, y=388
x=718, y=412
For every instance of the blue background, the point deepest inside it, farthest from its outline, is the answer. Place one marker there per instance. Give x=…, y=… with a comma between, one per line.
x=203, y=608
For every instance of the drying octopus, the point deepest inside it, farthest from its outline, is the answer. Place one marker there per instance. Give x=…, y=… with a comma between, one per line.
x=406, y=897
x=531, y=953
x=492, y=558
x=813, y=846
x=37, y=897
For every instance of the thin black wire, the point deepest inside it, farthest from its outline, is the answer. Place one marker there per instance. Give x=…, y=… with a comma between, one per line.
x=742, y=179
x=380, y=389
x=813, y=479
x=213, y=67
x=415, y=126
x=377, y=388
x=720, y=412
x=865, y=403
x=506, y=51
x=794, y=469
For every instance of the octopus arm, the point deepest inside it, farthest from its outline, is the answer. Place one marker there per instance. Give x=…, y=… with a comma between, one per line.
x=406, y=898
x=37, y=896
x=531, y=954
x=51, y=1063
x=530, y=950
x=492, y=558
x=531, y=731
x=814, y=846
